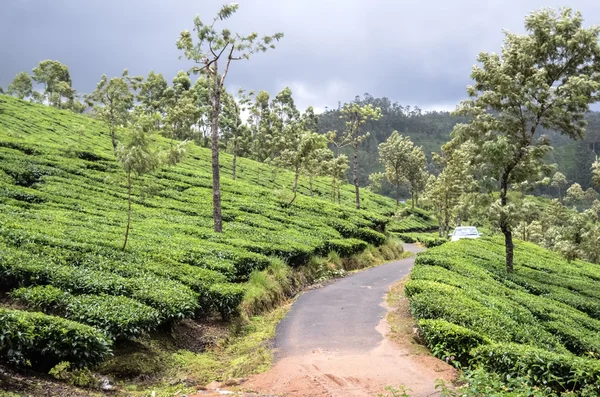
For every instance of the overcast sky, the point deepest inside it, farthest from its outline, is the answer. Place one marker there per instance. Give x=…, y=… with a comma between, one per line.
x=416, y=53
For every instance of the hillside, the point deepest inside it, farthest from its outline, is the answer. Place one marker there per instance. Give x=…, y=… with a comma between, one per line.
x=431, y=129
x=62, y=220
x=542, y=322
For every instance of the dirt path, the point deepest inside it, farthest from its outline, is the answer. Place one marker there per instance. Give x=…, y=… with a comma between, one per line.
x=332, y=343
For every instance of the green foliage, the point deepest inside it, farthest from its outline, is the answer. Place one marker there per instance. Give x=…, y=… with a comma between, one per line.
x=81, y=377
x=429, y=240
x=450, y=342
x=560, y=372
x=412, y=220
x=533, y=323
x=63, y=204
x=119, y=317
x=38, y=339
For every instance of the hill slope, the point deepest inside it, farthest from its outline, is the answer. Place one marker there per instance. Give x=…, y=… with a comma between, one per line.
x=542, y=322
x=62, y=219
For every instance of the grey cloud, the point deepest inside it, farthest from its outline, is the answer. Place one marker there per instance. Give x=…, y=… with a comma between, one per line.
x=417, y=53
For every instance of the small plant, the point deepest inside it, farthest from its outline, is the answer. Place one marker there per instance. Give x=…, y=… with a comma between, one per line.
x=402, y=391
x=81, y=377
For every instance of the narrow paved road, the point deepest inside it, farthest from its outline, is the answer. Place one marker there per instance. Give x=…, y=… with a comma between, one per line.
x=342, y=316
x=333, y=343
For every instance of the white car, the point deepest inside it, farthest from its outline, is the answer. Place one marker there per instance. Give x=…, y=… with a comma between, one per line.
x=464, y=232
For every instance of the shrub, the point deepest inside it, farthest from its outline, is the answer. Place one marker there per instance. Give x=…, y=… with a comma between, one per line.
x=449, y=341
x=561, y=372
x=119, y=317
x=226, y=298
x=345, y=247
x=370, y=236
x=40, y=339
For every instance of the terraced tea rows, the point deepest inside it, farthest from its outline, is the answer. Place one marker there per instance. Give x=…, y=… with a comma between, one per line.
x=542, y=322
x=62, y=218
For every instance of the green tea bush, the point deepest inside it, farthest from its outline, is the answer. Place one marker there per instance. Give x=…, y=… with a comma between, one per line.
x=225, y=298
x=561, y=372
x=119, y=317
x=451, y=342
x=429, y=240
x=39, y=339
x=345, y=247
x=63, y=205
x=539, y=322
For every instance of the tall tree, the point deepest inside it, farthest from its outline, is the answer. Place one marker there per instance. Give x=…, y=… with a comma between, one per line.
x=395, y=154
x=112, y=101
x=182, y=112
x=416, y=174
x=559, y=181
x=235, y=132
x=21, y=86
x=211, y=48
x=545, y=78
x=56, y=80
x=356, y=116
x=137, y=157
x=152, y=94
x=596, y=172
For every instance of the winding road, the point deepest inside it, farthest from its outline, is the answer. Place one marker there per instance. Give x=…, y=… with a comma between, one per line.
x=332, y=342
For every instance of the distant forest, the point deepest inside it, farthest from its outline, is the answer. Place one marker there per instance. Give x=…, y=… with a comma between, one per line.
x=431, y=129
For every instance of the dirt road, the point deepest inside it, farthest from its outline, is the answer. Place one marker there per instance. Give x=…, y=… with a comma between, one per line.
x=332, y=343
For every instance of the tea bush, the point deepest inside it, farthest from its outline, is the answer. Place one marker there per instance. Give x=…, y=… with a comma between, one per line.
x=540, y=322
x=62, y=220
x=38, y=339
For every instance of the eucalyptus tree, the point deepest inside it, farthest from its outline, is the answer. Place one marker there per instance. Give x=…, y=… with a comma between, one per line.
x=21, y=87
x=211, y=48
x=138, y=157
x=596, y=172
x=559, y=181
x=395, y=155
x=235, y=132
x=113, y=100
x=416, y=174
x=545, y=78
x=356, y=116
x=336, y=168
x=181, y=108
x=56, y=79
x=151, y=94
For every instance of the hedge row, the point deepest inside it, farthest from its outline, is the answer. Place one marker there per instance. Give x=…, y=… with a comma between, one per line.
x=429, y=240
x=561, y=372
x=515, y=324
x=117, y=316
x=41, y=340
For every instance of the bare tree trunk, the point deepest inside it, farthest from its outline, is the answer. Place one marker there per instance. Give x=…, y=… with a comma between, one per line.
x=310, y=184
x=128, y=210
x=234, y=157
x=295, y=188
x=504, y=226
x=355, y=176
x=397, y=195
x=217, y=219
x=338, y=193
x=412, y=199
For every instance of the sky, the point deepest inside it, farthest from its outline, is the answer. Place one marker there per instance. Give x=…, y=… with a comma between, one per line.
x=415, y=53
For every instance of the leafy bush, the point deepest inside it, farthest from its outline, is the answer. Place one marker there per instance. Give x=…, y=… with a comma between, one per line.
x=561, y=372
x=370, y=236
x=539, y=323
x=39, y=339
x=450, y=342
x=345, y=247
x=226, y=298
x=429, y=240
x=119, y=317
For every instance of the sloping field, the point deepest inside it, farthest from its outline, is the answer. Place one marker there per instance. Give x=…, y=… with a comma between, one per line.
x=63, y=202
x=542, y=322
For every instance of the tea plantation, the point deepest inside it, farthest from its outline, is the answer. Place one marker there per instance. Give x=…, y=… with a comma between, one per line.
x=542, y=322
x=63, y=202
